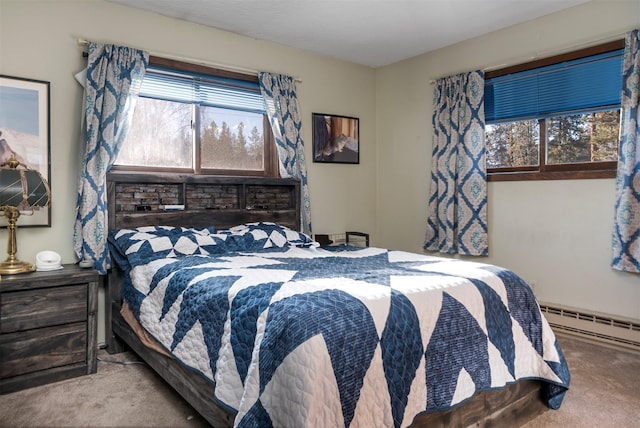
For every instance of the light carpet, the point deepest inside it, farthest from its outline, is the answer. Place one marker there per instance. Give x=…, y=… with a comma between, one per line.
x=605, y=392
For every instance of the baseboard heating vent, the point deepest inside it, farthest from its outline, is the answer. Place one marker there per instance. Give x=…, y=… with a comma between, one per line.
x=598, y=327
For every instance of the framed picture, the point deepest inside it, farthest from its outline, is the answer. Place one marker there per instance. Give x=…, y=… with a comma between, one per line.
x=25, y=131
x=336, y=139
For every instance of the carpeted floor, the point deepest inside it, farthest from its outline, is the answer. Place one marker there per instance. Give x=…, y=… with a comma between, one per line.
x=605, y=392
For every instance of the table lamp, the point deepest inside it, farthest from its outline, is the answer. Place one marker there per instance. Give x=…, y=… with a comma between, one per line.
x=22, y=191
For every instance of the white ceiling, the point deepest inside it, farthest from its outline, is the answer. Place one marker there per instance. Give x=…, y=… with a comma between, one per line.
x=368, y=32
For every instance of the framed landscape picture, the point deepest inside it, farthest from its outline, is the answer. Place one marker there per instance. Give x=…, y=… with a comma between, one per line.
x=25, y=131
x=336, y=139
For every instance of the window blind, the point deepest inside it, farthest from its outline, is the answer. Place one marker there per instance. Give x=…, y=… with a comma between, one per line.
x=585, y=84
x=205, y=90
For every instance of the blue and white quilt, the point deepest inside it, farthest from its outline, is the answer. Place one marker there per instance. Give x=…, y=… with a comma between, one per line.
x=294, y=335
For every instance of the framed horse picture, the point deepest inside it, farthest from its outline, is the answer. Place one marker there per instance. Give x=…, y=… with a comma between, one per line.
x=25, y=133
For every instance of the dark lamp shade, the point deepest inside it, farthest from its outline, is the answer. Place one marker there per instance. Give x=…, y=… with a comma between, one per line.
x=23, y=189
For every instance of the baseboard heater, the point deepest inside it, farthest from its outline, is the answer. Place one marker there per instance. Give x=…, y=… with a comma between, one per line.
x=602, y=328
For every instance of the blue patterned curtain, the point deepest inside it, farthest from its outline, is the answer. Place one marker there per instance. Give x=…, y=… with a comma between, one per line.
x=626, y=227
x=279, y=93
x=114, y=75
x=458, y=201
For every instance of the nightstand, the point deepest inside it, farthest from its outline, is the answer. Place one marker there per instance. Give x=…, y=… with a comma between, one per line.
x=48, y=326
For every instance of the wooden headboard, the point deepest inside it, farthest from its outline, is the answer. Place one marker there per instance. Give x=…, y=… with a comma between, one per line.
x=147, y=199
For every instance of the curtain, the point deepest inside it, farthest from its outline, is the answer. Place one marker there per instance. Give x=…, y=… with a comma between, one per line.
x=626, y=227
x=457, y=220
x=279, y=93
x=114, y=75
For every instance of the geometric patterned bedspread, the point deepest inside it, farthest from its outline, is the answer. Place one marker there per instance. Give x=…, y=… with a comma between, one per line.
x=296, y=335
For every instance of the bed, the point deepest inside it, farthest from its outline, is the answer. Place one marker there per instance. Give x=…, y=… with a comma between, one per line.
x=292, y=334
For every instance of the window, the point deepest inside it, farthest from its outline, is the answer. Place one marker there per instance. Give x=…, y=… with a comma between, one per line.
x=555, y=118
x=191, y=118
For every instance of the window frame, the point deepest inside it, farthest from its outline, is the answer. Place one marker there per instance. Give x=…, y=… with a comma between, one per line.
x=544, y=171
x=271, y=162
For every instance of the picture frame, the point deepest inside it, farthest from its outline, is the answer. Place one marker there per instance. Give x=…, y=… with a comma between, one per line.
x=336, y=139
x=25, y=129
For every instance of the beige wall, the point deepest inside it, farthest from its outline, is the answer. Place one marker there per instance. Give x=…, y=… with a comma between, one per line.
x=567, y=257
x=556, y=234
x=38, y=40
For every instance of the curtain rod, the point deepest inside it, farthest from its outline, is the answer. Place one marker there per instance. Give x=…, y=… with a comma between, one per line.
x=83, y=42
x=549, y=53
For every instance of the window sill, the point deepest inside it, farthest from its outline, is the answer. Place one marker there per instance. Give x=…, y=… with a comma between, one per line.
x=550, y=175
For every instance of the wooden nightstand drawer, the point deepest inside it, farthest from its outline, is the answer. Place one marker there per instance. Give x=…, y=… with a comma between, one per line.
x=48, y=325
x=24, y=310
x=43, y=348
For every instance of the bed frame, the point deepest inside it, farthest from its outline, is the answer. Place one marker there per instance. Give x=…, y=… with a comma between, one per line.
x=137, y=199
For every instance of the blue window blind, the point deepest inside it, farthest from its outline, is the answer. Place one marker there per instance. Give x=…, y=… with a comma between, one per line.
x=204, y=90
x=581, y=85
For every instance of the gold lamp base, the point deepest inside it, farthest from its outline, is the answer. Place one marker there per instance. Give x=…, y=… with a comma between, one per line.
x=10, y=267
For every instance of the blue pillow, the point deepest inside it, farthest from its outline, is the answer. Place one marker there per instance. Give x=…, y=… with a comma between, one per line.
x=131, y=247
x=265, y=235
